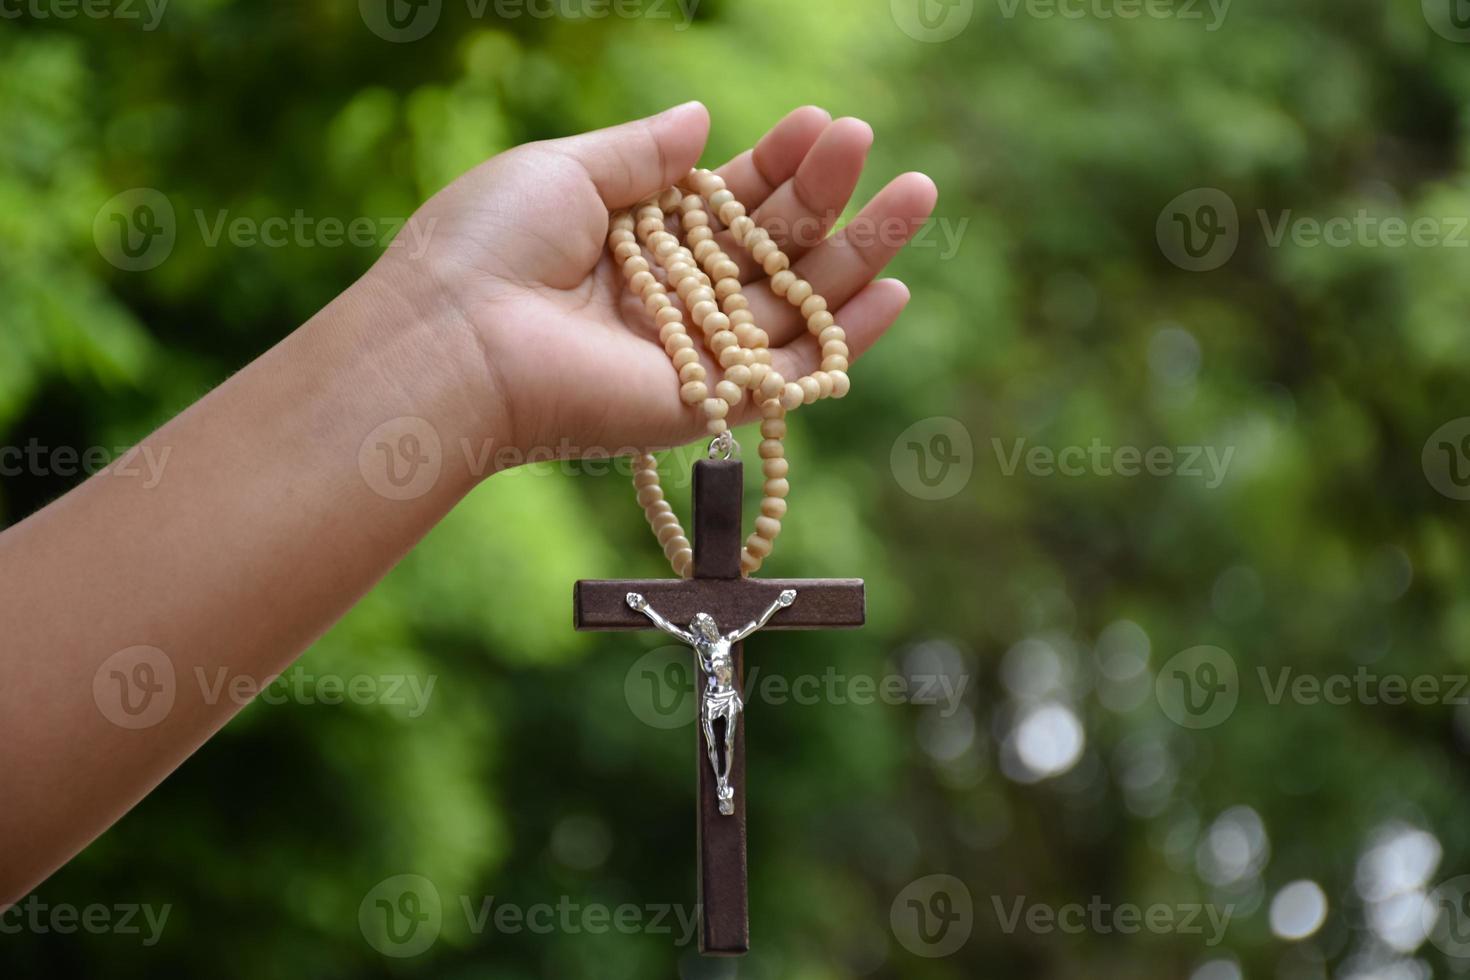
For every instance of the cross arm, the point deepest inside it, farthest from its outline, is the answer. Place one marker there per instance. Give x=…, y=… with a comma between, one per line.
x=832, y=603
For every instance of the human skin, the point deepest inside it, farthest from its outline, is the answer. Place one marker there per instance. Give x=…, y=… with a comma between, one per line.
x=512, y=329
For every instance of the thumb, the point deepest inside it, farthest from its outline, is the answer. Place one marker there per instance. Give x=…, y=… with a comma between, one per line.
x=629, y=162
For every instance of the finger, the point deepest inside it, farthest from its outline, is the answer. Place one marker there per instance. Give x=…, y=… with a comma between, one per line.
x=754, y=174
x=865, y=318
x=801, y=211
x=846, y=262
x=629, y=162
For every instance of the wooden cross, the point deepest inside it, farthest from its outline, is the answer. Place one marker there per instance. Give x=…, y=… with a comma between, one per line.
x=718, y=589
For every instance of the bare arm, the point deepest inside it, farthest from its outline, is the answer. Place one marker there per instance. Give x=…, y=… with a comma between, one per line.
x=786, y=598
x=641, y=604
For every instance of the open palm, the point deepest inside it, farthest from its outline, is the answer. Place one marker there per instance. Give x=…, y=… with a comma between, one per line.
x=517, y=247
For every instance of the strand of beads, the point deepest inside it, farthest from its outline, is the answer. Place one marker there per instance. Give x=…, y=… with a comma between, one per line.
x=707, y=282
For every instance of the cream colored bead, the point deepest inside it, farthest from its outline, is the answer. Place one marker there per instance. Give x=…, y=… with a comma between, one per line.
x=677, y=342
x=758, y=374
x=773, y=429
x=691, y=372
x=824, y=383
x=647, y=226
x=692, y=202
x=814, y=304
x=791, y=396
x=739, y=375
x=694, y=393
x=724, y=269
x=667, y=533
x=741, y=316
x=810, y=389
x=799, y=292
x=776, y=262
x=623, y=220
x=771, y=409
x=707, y=182
x=732, y=212
x=835, y=363
x=730, y=392
x=657, y=301
x=763, y=355
x=645, y=478
x=835, y=348
x=670, y=198
x=771, y=448
x=819, y=322
x=778, y=488
x=685, y=357
x=679, y=552
x=723, y=339
x=841, y=383
x=715, y=322
x=750, y=335
x=758, y=546
x=702, y=311
x=727, y=289
x=775, y=469
x=695, y=219
x=715, y=408
x=669, y=330
x=649, y=495
x=669, y=314
x=768, y=527
x=763, y=250
x=715, y=426
x=700, y=233
x=624, y=251
x=641, y=281
x=773, y=507
x=720, y=198
x=782, y=281
x=704, y=250
x=772, y=384
x=663, y=248
x=733, y=355
x=749, y=564
x=700, y=294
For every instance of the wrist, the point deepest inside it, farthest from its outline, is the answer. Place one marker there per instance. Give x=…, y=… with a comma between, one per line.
x=432, y=365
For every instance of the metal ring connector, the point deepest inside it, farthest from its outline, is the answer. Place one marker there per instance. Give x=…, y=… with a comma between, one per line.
x=723, y=446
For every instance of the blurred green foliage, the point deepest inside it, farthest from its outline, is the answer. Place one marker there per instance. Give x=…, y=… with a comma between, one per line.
x=1057, y=318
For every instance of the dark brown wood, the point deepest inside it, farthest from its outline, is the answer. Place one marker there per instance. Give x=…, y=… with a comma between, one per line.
x=718, y=589
x=832, y=603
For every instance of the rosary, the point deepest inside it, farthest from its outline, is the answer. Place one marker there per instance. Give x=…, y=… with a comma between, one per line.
x=713, y=584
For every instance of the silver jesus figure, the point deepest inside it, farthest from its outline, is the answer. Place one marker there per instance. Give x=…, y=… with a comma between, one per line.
x=721, y=698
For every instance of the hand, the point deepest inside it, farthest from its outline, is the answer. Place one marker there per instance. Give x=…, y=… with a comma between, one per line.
x=787, y=597
x=637, y=601
x=514, y=253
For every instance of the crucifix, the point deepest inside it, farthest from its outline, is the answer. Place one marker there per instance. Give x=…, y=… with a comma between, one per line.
x=713, y=611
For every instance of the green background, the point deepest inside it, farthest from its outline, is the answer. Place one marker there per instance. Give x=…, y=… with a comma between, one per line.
x=1057, y=316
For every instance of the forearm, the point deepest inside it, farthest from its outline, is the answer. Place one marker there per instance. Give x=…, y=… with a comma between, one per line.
x=261, y=530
